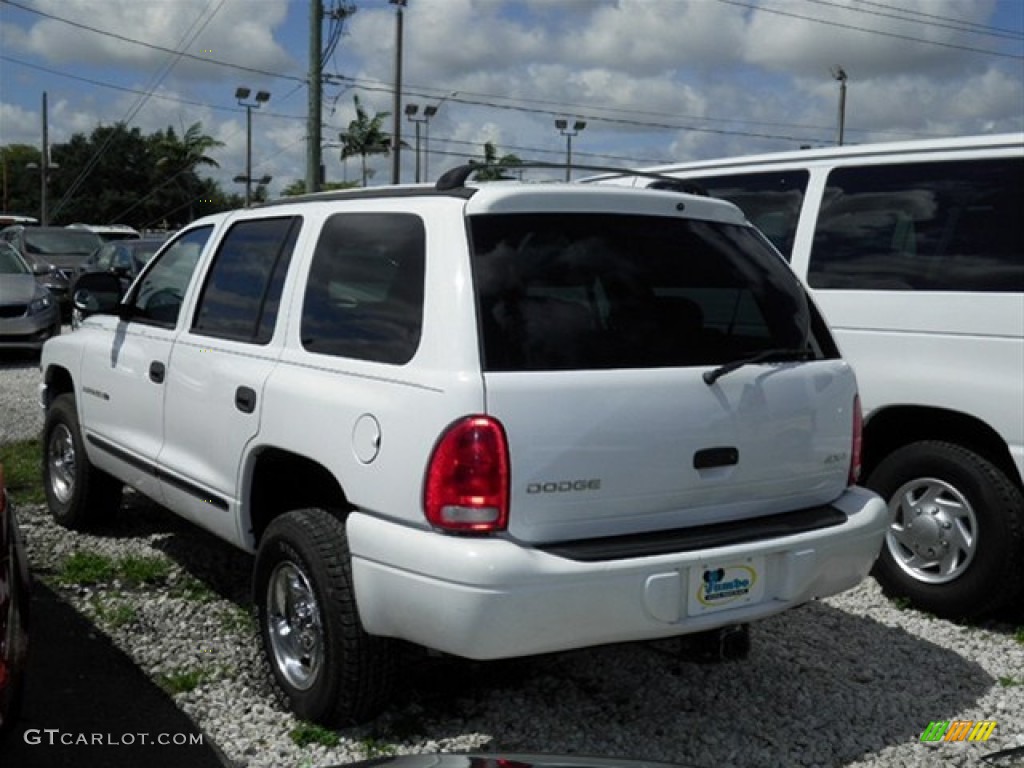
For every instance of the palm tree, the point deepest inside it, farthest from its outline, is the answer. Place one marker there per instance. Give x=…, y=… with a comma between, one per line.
x=493, y=167
x=179, y=158
x=365, y=136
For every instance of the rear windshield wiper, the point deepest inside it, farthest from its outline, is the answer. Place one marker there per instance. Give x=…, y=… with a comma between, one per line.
x=774, y=355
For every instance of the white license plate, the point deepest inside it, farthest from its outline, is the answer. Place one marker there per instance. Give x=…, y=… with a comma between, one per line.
x=728, y=584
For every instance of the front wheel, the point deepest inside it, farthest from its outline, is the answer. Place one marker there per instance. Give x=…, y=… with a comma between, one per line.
x=77, y=493
x=955, y=545
x=331, y=671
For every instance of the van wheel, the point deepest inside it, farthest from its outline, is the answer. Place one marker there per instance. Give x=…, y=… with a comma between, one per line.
x=78, y=494
x=955, y=545
x=331, y=671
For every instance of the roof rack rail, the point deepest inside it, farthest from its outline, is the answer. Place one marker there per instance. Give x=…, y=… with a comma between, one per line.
x=456, y=178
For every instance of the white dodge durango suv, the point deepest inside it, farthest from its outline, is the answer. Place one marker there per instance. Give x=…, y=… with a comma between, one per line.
x=491, y=419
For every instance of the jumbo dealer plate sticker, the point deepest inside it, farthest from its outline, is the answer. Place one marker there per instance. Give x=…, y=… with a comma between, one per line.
x=720, y=586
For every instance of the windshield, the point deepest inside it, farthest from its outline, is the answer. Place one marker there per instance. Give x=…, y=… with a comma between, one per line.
x=11, y=263
x=576, y=291
x=61, y=241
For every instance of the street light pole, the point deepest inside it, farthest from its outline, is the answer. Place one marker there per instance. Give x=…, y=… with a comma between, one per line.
x=262, y=97
x=840, y=74
x=563, y=128
x=428, y=112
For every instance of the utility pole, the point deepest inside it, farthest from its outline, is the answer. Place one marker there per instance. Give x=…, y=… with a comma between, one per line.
x=396, y=112
x=840, y=74
x=313, y=117
x=44, y=168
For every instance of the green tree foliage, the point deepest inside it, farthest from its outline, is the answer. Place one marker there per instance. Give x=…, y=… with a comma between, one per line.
x=365, y=136
x=493, y=168
x=20, y=179
x=117, y=174
x=298, y=187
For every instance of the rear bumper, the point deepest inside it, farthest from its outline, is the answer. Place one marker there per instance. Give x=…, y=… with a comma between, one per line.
x=493, y=598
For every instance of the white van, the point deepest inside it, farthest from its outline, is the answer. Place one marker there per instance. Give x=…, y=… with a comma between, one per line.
x=915, y=253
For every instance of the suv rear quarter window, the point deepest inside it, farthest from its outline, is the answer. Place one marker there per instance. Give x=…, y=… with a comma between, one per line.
x=364, y=294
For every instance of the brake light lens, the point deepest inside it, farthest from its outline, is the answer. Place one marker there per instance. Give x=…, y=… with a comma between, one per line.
x=467, y=483
x=858, y=442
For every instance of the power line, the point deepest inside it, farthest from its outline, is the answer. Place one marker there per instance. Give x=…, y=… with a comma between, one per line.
x=597, y=118
x=186, y=39
x=153, y=46
x=894, y=13
x=165, y=97
x=841, y=25
x=922, y=14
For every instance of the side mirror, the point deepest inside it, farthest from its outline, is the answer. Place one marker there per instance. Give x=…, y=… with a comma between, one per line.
x=97, y=293
x=41, y=269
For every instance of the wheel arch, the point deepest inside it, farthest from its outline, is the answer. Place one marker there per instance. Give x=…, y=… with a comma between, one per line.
x=58, y=381
x=278, y=481
x=893, y=427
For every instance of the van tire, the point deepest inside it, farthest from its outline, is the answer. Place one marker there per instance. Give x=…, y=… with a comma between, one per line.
x=946, y=488
x=330, y=670
x=78, y=494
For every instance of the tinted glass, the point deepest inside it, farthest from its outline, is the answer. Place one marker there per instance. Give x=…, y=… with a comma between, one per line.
x=160, y=293
x=951, y=226
x=51, y=241
x=364, y=296
x=572, y=291
x=11, y=263
x=243, y=287
x=770, y=200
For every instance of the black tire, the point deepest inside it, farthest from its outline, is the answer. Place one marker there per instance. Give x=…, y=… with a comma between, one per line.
x=329, y=669
x=969, y=514
x=78, y=494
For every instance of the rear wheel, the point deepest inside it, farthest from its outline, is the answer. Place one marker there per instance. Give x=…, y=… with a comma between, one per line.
x=77, y=493
x=331, y=671
x=955, y=545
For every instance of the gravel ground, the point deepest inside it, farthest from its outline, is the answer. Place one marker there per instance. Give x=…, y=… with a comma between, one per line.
x=848, y=681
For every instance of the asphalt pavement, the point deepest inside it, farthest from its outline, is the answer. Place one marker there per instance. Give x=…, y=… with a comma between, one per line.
x=88, y=706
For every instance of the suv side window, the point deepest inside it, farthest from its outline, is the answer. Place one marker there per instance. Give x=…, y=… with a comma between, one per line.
x=364, y=295
x=160, y=293
x=240, y=297
x=104, y=257
x=950, y=226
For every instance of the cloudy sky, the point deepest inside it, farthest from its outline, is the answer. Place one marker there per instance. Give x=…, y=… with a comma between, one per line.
x=654, y=80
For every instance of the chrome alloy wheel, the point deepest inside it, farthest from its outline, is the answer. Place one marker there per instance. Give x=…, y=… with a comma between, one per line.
x=296, y=632
x=933, y=536
x=60, y=457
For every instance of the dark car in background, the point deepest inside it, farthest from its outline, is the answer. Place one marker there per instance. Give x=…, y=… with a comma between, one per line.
x=29, y=314
x=124, y=258
x=53, y=254
x=14, y=610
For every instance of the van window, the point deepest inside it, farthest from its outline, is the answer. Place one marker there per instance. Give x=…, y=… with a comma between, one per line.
x=770, y=200
x=585, y=291
x=949, y=226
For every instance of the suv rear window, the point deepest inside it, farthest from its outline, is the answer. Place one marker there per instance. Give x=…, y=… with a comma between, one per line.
x=585, y=291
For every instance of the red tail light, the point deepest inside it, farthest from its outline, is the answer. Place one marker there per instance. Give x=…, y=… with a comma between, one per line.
x=467, y=480
x=858, y=442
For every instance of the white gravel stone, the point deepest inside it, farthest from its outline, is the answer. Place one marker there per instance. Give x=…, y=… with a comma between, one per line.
x=849, y=681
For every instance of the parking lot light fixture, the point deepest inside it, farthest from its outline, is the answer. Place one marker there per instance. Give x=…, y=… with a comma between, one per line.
x=563, y=128
x=262, y=97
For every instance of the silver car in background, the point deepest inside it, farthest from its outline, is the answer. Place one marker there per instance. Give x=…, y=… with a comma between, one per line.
x=29, y=314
